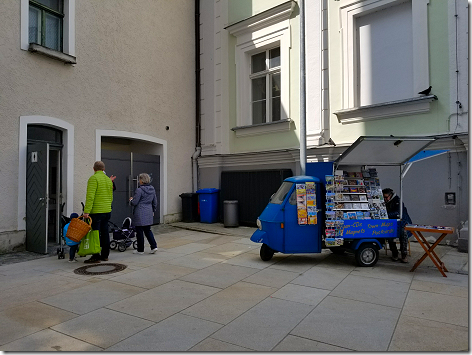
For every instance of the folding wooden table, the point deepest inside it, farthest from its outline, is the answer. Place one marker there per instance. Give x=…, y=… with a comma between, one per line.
x=429, y=249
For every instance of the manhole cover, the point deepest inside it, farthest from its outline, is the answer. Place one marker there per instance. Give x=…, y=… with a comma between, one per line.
x=99, y=269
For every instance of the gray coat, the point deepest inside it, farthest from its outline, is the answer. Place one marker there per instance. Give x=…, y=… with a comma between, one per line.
x=145, y=202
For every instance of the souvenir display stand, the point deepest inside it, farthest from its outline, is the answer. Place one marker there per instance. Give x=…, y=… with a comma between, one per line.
x=343, y=210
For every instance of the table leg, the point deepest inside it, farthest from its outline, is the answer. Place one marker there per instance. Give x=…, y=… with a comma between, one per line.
x=429, y=251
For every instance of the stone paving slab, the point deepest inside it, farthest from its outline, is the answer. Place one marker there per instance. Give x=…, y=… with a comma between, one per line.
x=241, y=296
x=153, y=276
x=377, y=291
x=48, y=340
x=265, y=325
x=209, y=345
x=177, y=333
x=220, y=275
x=163, y=301
x=350, y=324
x=102, y=327
x=92, y=297
x=425, y=305
x=29, y=318
x=415, y=334
x=297, y=344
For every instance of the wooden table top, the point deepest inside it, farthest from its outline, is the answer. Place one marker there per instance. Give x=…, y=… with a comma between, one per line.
x=433, y=229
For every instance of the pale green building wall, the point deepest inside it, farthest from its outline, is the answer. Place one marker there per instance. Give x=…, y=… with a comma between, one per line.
x=239, y=10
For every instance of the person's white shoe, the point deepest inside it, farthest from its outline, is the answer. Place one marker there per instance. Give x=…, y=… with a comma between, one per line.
x=153, y=251
x=138, y=252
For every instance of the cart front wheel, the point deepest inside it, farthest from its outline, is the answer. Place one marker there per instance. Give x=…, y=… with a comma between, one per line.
x=112, y=245
x=367, y=255
x=266, y=252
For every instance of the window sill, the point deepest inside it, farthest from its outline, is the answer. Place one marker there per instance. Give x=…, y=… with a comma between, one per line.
x=63, y=57
x=263, y=128
x=386, y=110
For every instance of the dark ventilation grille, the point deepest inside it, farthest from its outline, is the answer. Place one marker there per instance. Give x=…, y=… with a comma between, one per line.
x=252, y=190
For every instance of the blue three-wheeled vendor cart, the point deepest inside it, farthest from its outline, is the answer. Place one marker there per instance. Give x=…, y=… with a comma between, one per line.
x=310, y=213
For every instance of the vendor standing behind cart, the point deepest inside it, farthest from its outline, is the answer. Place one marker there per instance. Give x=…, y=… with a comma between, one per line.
x=392, y=202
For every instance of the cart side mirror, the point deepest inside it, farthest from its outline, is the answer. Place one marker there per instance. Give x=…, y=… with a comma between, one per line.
x=270, y=199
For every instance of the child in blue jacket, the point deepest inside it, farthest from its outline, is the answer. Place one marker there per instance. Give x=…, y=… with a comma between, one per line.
x=73, y=246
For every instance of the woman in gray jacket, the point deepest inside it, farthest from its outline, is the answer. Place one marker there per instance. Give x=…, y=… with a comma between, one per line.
x=145, y=202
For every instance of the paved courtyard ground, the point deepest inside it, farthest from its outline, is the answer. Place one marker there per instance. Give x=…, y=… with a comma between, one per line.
x=207, y=289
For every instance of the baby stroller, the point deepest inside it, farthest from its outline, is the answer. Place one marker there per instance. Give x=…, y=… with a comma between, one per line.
x=123, y=237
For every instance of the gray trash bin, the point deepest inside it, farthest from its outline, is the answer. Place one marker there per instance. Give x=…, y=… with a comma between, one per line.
x=230, y=214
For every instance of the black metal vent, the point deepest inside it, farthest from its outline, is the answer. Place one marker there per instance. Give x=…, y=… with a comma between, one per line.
x=252, y=190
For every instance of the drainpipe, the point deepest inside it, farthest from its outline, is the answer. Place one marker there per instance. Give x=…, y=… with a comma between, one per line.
x=326, y=135
x=301, y=4
x=198, y=148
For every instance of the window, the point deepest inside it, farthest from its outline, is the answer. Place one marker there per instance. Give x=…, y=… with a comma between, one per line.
x=48, y=28
x=385, y=55
x=46, y=23
x=265, y=86
x=385, y=59
x=281, y=193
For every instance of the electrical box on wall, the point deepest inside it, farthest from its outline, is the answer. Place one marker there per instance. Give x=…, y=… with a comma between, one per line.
x=450, y=198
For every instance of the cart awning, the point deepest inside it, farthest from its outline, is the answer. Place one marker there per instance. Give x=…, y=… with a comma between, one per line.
x=425, y=154
x=383, y=150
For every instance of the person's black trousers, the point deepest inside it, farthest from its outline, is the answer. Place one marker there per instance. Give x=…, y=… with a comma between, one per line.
x=100, y=223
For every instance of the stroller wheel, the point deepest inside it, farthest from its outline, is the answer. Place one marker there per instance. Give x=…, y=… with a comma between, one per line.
x=60, y=255
x=122, y=247
x=113, y=245
x=135, y=244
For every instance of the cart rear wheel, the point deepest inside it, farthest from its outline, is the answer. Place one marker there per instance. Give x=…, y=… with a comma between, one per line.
x=135, y=244
x=113, y=245
x=367, y=255
x=266, y=252
x=122, y=247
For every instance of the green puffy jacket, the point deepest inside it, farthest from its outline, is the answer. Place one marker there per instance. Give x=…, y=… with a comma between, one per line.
x=99, y=193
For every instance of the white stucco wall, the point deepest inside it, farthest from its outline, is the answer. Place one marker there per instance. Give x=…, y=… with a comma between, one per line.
x=135, y=73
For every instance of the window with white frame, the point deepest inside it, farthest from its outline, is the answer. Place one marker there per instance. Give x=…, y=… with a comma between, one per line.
x=385, y=55
x=262, y=58
x=46, y=22
x=385, y=59
x=48, y=27
x=265, y=86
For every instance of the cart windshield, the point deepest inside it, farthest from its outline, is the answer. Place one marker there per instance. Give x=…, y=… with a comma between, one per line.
x=281, y=193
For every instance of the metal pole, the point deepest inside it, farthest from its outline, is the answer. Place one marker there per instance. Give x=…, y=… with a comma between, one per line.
x=401, y=191
x=301, y=4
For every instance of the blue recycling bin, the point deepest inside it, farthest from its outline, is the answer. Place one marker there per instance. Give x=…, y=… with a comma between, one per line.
x=208, y=200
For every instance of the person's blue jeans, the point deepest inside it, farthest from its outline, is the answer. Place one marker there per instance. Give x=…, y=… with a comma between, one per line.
x=100, y=223
x=140, y=230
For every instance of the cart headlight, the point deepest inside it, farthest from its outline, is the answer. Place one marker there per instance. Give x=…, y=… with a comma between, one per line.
x=259, y=224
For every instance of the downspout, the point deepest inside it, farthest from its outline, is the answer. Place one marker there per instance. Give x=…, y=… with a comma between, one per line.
x=301, y=4
x=198, y=143
x=325, y=127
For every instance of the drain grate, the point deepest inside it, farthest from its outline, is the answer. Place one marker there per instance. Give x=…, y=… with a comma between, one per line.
x=99, y=269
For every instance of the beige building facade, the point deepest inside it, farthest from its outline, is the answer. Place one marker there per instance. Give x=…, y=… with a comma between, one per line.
x=93, y=80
